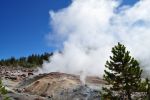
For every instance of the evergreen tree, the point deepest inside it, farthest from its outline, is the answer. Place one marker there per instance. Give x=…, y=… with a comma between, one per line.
x=123, y=74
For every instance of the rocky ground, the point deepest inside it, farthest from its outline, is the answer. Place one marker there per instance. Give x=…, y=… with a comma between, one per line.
x=25, y=85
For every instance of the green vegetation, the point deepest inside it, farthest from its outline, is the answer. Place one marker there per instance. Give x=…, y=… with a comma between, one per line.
x=3, y=92
x=123, y=76
x=33, y=60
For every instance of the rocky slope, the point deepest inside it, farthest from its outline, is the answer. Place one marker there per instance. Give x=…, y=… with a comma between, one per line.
x=57, y=86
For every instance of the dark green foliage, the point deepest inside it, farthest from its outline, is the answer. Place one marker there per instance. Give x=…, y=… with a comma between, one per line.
x=145, y=88
x=144, y=85
x=31, y=61
x=147, y=82
x=123, y=74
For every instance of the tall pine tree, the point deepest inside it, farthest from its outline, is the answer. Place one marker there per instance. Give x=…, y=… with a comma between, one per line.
x=123, y=74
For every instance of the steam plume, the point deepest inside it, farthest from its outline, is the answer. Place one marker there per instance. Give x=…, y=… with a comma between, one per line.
x=88, y=29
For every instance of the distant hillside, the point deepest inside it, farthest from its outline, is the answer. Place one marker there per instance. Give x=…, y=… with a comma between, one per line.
x=33, y=60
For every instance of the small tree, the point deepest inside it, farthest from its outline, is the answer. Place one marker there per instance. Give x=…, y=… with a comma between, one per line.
x=123, y=74
x=3, y=92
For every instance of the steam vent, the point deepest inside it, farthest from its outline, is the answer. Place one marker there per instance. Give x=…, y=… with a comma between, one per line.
x=74, y=49
x=51, y=86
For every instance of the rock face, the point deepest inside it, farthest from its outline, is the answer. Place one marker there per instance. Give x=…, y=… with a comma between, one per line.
x=61, y=86
x=51, y=86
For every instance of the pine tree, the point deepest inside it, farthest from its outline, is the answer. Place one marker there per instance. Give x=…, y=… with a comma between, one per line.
x=123, y=74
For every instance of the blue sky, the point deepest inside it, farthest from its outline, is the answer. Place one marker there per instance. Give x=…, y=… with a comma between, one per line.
x=24, y=24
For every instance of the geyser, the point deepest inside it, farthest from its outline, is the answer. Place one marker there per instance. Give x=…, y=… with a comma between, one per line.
x=87, y=29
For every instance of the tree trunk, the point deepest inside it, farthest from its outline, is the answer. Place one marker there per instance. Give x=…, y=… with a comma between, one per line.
x=129, y=95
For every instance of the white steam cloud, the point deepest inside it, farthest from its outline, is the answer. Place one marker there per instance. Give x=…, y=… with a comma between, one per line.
x=88, y=29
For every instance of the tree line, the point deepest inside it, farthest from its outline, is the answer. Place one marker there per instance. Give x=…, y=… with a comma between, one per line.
x=33, y=60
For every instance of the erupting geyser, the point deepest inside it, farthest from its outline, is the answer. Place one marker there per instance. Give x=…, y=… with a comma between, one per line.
x=87, y=29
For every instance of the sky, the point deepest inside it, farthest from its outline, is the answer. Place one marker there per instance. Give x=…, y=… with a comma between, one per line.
x=24, y=25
